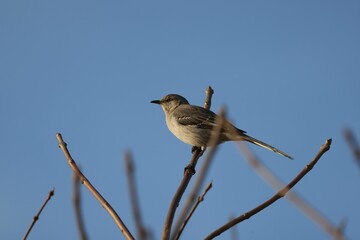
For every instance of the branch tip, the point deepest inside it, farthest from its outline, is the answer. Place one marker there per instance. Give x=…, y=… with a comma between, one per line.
x=52, y=192
x=37, y=216
x=327, y=144
x=92, y=189
x=209, y=90
x=129, y=162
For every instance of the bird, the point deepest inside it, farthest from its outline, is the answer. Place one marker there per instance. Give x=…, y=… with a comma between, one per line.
x=194, y=125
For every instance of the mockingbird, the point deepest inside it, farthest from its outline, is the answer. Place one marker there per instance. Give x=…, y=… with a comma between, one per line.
x=194, y=125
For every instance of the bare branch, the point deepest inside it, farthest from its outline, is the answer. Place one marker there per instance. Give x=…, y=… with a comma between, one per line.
x=293, y=197
x=199, y=200
x=203, y=171
x=209, y=92
x=92, y=189
x=36, y=217
x=189, y=172
x=354, y=145
x=324, y=148
x=134, y=199
x=77, y=207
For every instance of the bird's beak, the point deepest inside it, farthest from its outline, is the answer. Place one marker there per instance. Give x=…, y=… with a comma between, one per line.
x=156, y=101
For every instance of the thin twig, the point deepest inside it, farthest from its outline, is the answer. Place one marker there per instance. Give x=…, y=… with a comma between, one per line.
x=77, y=207
x=199, y=200
x=353, y=144
x=189, y=172
x=324, y=148
x=36, y=217
x=293, y=197
x=134, y=199
x=92, y=189
x=202, y=173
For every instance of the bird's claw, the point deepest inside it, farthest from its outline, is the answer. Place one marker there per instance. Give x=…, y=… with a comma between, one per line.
x=195, y=148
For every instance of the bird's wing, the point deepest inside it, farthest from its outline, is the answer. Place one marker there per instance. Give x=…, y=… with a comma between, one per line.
x=199, y=117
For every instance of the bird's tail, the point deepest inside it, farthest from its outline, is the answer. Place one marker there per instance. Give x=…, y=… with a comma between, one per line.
x=264, y=145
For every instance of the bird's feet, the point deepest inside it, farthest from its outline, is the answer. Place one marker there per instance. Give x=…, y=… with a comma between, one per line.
x=196, y=148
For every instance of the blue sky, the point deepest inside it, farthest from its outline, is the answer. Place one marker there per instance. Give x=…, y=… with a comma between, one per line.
x=287, y=71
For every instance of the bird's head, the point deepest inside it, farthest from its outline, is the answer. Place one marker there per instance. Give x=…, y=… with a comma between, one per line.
x=170, y=102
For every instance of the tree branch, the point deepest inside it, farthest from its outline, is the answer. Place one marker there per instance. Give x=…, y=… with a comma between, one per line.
x=92, y=189
x=353, y=144
x=293, y=197
x=36, y=217
x=77, y=207
x=180, y=191
x=199, y=200
x=209, y=92
x=324, y=148
x=202, y=174
x=189, y=172
x=134, y=199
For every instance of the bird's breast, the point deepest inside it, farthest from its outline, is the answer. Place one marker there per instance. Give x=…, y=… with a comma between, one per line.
x=190, y=134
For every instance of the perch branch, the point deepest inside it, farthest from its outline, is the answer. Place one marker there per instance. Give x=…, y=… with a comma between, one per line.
x=92, y=189
x=281, y=193
x=189, y=172
x=36, y=217
x=202, y=173
x=199, y=200
x=177, y=197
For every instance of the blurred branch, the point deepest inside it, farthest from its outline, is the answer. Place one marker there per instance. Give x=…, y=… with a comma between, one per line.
x=293, y=197
x=199, y=200
x=36, y=217
x=202, y=173
x=188, y=173
x=324, y=148
x=234, y=235
x=77, y=207
x=92, y=189
x=134, y=199
x=354, y=145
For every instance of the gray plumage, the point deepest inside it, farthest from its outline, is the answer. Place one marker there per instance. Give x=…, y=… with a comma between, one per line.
x=194, y=125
